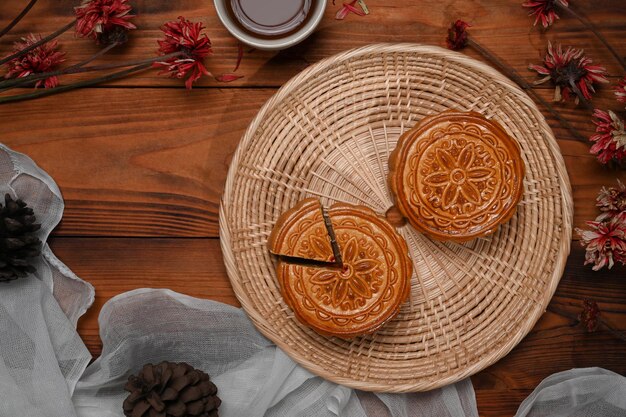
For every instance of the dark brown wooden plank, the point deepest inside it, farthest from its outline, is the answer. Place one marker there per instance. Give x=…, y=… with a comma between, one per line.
x=189, y=266
x=158, y=168
x=129, y=170
x=501, y=25
x=499, y=402
x=195, y=267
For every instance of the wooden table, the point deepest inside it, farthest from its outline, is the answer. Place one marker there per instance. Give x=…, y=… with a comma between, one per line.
x=142, y=162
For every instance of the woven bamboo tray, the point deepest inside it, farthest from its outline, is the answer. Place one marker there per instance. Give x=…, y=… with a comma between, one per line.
x=328, y=133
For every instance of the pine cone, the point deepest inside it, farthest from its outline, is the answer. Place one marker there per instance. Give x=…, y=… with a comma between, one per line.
x=171, y=390
x=18, y=241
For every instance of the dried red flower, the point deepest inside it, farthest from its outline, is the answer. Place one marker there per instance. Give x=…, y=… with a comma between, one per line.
x=348, y=8
x=588, y=317
x=620, y=90
x=612, y=201
x=610, y=138
x=239, y=56
x=184, y=36
x=43, y=58
x=104, y=20
x=571, y=72
x=228, y=77
x=605, y=242
x=457, y=35
x=544, y=10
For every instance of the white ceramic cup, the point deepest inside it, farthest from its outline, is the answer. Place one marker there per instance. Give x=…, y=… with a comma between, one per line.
x=317, y=12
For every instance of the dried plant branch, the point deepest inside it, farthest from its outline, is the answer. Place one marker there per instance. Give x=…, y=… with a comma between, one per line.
x=18, y=18
x=598, y=35
x=38, y=43
x=68, y=87
x=525, y=85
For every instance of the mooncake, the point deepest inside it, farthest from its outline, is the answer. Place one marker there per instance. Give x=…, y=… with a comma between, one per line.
x=349, y=299
x=456, y=176
x=305, y=218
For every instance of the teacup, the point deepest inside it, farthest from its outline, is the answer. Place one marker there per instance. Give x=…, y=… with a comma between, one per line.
x=273, y=43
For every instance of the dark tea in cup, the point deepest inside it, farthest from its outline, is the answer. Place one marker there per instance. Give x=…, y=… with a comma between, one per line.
x=270, y=19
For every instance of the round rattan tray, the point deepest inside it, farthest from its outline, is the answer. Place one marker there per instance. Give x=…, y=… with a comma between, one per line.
x=328, y=133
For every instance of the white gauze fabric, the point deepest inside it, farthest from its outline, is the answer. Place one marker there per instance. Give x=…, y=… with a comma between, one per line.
x=586, y=392
x=41, y=355
x=253, y=376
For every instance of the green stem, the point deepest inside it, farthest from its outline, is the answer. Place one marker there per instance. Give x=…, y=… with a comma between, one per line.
x=511, y=73
x=38, y=43
x=18, y=18
x=78, y=68
x=68, y=87
x=598, y=35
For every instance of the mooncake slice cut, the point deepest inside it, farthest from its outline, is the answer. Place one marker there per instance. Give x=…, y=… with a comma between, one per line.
x=456, y=176
x=366, y=292
x=301, y=234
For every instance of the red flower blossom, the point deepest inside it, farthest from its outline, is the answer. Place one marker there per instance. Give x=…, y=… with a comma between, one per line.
x=43, y=58
x=589, y=316
x=612, y=201
x=605, y=242
x=544, y=10
x=186, y=37
x=571, y=72
x=620, y=91
x=610, y=138
x=457, y=35
x=100, y=19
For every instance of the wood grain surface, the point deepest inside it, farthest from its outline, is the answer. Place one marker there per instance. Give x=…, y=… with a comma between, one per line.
x=142, y=162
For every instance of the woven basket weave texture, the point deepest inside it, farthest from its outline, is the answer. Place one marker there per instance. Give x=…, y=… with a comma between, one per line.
x=328, y=133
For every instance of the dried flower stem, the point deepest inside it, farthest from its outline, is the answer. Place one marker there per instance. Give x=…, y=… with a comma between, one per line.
x=601, y=323
x=40, y=42
x=17, y=82
x=78, y=68
x=95, y=56
x=68, y=87
x=511, y=73
x=18, y=18
x=598, y=35
x=581, y=96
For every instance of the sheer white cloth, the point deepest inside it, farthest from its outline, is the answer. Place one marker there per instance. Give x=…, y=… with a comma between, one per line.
x=254, y=377
x=587, y=392
x=43, y=359
x=22, y=178
x=41, y=355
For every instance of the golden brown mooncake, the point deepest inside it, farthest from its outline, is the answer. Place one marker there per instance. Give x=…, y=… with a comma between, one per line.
x=358, y=298
x=456, y=176
x=305, y=218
